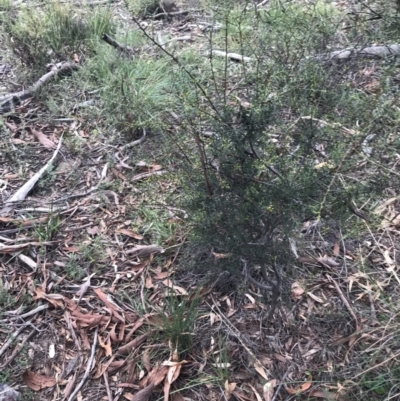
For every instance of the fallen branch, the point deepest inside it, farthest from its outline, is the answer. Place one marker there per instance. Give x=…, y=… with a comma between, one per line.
x=12, y=338
x=373, y=51
x=274, y=286
x=144, y=250
x=16, y=97
x=134, y=143
x=88, y=368
x=369, y=52
x=231, y=56
x=18, y=349
x=171, y=14
x=26, y=188
x=124, y=48
x=346, y=302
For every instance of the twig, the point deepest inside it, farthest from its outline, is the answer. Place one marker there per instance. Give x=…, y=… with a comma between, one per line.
x=235, y=332
x=88, y=368
x=345, y=301
x=109, y=394
x=27, y=314
x=18, y=349
x=373, y=51
x=231, y=56
x=11, y=339
x=376, y=366
x=111, y=41
x=134, y=143
x=171, y=14
x=25, y=94
x=24, y=190
x=280, y=385
x=275, y=287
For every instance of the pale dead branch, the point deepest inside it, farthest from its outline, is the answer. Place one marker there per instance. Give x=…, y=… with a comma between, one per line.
x=88, y=368
x=17, y=97
x=22, y=193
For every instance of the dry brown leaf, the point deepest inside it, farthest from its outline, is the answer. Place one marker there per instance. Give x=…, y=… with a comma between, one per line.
x=69, y=387
x=16, y=248
x=36, y=381
x=112, y=307
x=229, y=387
x=167, y=388
x=250, y=298
x=162, y=275
x=145, y=250
x=114, y=366
x=156, y=376
x=336, y=249
x=300, y=389
x=258, y=396
x=137, y=325
x=260, y=370
x=315, y=298
x=221, y=255
x=145, y=394
x=129, y=233
x=106, y=345
x=11, y=126
x=127, y=348
x=268, y=389
x=327, y=261
x=148, y=283
x=280, y=358
x=146, y=360
x=177, y=289
x=297, y=292
x=42, y=138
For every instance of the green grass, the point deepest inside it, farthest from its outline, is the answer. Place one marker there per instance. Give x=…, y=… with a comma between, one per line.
x=177, y=322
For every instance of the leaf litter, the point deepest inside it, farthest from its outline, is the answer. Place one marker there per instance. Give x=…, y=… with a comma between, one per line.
x=51, y=265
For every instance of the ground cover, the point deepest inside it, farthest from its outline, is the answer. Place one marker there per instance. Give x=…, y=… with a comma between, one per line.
x=199, y=200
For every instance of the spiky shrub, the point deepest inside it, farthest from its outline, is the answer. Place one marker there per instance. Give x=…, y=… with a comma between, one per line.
x=286, y=134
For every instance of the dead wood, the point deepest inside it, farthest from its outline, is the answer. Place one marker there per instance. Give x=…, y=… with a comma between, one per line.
x=124, y=48
x=10, y=99
x=22, y=193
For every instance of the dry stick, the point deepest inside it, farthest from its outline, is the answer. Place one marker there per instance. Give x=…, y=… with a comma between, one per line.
x=236, y=332
x=345, y=301
x=12, y=338
x=18, y=349
x=109, y=394
x=24, y=190
x=88, y=367
x=231, y=56
x=280, y=385
x=134, y=143
x=27, y=314
x=376, y=366
x=56, y=69
x=111, y=41
x=209, y=188
x=172, y=13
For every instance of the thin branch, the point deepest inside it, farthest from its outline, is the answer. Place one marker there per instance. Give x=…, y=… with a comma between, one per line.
x=88, y=368
x=111, y=41
x=27, y=93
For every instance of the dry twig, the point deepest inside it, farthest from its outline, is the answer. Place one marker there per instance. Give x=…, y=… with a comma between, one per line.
x=88, y=368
